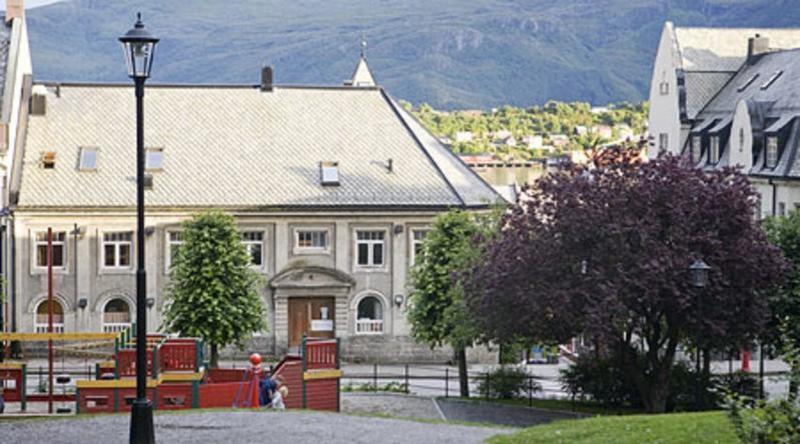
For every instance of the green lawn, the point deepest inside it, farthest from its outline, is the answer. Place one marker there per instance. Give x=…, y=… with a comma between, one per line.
x=677, y=428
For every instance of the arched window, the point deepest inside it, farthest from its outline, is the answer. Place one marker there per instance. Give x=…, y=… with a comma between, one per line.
x=369, y=319
x=116, y=316
x=40, y=321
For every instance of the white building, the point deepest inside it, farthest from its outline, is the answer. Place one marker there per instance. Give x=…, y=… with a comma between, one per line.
x=730, y=97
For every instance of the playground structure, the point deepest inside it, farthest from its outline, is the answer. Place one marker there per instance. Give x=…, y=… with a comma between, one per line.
x=177, y=377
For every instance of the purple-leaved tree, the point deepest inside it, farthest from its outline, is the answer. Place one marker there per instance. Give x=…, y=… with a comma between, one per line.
x=604, y=251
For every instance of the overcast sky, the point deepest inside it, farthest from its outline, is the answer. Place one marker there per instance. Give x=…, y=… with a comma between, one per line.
x=31, y=3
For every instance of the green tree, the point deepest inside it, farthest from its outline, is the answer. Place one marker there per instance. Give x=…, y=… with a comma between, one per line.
x=783, y=331
x=437, y=311
x=213, y=292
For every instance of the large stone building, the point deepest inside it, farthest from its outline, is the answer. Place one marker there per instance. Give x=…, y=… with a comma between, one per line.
x=730, y=97
x=333, y=189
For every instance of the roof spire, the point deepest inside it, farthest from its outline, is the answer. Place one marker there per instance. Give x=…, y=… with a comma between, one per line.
x=362, y=76
x=363, y=46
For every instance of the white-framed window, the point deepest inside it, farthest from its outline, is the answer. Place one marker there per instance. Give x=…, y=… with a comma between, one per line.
x=714, y=150
x=116, y=316
x=59, y=249
x=369, y=317
x=663, y=88
x=254, y=243
x=174, y=241
x=88, y=159
x=781, y=208
x=772, y=152
x=417, y=236
x=40, y=320
x=154, y=159
x=697, y=148
x=370, y=248
x=311, y=240
x=116, y=250
x=663, y=141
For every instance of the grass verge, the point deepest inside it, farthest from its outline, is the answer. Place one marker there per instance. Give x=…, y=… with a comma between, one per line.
x=563, y=405
x=674, y=428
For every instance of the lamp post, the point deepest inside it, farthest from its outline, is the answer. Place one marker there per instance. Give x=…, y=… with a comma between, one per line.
x=699, y=270
x=138, y=46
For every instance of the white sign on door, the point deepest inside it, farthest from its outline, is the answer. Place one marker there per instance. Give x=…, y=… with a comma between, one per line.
x=321, y=325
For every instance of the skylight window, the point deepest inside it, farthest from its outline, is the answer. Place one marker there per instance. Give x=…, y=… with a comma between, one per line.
x=329, y=173
x=49, y=160
x=744, y=85
x=772, y=79
x=154, y=159
x=88, y=159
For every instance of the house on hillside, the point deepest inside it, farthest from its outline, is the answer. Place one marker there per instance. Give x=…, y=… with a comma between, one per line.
x=463, y=136
x=559, y=140
x=333, y=189
x=729, y=97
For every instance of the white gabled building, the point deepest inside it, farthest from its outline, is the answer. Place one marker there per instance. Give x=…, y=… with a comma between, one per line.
x=731, y=97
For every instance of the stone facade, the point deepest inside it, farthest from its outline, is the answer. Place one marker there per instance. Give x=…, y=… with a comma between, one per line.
x=84, y=286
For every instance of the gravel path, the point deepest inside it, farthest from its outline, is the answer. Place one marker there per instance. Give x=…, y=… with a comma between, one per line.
x=507, y=415
x=245, y=427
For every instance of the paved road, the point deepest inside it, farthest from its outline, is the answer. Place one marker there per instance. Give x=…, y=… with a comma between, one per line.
x=409, y=406
x=246, y=427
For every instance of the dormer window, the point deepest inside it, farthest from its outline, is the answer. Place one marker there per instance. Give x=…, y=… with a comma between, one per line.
x=697, y=148
x=713, y=155
x=49, y=160
x=329, y=173
x=88, y=159
x=154, y=159
x=772, y=152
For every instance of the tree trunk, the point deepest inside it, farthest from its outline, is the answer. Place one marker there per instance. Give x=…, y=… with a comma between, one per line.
x=463, y=379
x=655, y=398
x=214, y=356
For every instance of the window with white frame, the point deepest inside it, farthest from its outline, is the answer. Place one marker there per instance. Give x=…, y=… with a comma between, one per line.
x=697, y=148
x=311, y=240
x=772, y=152
x=370, y=248
x=663, y=142
x=663, y=88
x=254, y=243
x=59, y=249
x=116, y=251
x=116, y=316
x=174, y=241
x=714, y=150
x=41, y=317
x=369, y=318
x=417, y=236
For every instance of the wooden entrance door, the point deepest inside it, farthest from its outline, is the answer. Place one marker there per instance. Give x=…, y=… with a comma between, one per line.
x=313, y=317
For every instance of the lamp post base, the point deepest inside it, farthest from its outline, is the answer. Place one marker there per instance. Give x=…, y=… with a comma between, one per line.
x=142, y=430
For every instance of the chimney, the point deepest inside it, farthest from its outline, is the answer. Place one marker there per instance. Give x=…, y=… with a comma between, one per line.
x=14, y=9
x=756, y=47
x=38, y=104
x=266, y=79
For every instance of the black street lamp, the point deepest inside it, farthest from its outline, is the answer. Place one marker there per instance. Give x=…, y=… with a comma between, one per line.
x=138, y=46
x=699, y=270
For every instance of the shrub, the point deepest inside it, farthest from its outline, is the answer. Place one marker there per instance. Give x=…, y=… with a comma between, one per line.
x=507, y=382
x=599, y=379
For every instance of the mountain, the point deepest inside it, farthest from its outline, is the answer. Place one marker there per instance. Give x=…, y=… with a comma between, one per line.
x=450, y=53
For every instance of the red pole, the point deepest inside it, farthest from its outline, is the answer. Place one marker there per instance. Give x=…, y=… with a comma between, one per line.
x=50, y=318
x=746, y=360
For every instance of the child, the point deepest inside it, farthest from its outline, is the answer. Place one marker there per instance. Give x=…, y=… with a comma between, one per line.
x=280, y=395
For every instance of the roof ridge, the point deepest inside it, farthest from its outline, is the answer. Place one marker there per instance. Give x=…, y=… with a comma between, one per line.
x=422, y=147
x=736, y=28
x=200, y=85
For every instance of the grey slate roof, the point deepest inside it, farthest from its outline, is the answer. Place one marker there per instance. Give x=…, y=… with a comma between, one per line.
x=710, y=57
x=238, y=147
x=775, y=107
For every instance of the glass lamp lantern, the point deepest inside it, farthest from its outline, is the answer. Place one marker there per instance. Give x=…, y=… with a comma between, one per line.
x=699, y=271
x=138, y=46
